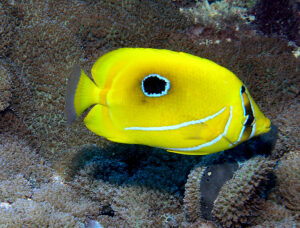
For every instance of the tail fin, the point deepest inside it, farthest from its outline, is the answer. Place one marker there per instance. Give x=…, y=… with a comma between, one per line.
x=82, y=93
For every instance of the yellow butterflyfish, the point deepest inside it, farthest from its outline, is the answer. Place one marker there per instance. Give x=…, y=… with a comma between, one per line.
x=161, y=98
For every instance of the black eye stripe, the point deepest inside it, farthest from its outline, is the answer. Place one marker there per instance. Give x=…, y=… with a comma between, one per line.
x=249, y=121
x=243, y=89
x=247, y=108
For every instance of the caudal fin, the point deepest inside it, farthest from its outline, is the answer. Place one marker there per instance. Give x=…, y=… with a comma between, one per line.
x=81, y=93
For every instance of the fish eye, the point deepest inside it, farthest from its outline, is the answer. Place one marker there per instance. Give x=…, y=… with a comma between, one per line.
x=155, y=85
x=248, y=108
x=243, y=89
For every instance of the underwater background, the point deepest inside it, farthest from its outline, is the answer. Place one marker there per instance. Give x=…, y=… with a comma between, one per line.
x=54, y=175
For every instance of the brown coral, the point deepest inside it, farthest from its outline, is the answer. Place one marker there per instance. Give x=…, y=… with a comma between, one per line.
x=8, y=25
x=48, y=38
x=67, y=201
x=288, y=178
x=28, y=213
x=5, y=87
x=13, y=188
x=273, y=213
x=130, y=206
x=192, y=194
x=278, y=17
x=57, y=50
x=17, y=157
x=32, y=194
x=49, y=41
x=240, y=198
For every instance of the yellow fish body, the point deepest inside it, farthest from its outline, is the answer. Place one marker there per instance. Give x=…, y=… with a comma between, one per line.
x=166, y=99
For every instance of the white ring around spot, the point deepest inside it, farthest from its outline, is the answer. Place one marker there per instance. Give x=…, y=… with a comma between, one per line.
x=167, y=87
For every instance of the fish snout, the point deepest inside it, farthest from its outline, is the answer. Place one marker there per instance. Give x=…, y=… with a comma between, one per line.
x=263, y=126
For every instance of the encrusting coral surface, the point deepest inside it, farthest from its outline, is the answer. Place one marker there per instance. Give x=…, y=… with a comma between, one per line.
x=288, y=177
x=5, y=88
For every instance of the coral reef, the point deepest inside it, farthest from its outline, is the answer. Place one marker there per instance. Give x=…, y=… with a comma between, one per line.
x=240, y=198
x=5, y=88
x=17, y=157
x=131, y=205
x=29, y=213
x=32, y=194
x=286, y=222
x=276, y=17
x=192, y=194
x=51, y=38
x=273, y=214
x=49, y=42
x=8, y=25
x=50, y=175
x=218, y=15
x=288, y=178
x=134, y=165
x=237, y=200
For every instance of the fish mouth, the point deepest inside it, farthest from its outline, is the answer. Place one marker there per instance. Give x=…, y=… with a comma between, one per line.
x=267, y=126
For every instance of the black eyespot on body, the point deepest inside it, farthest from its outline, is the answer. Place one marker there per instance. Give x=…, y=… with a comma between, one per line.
x=155, y=85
